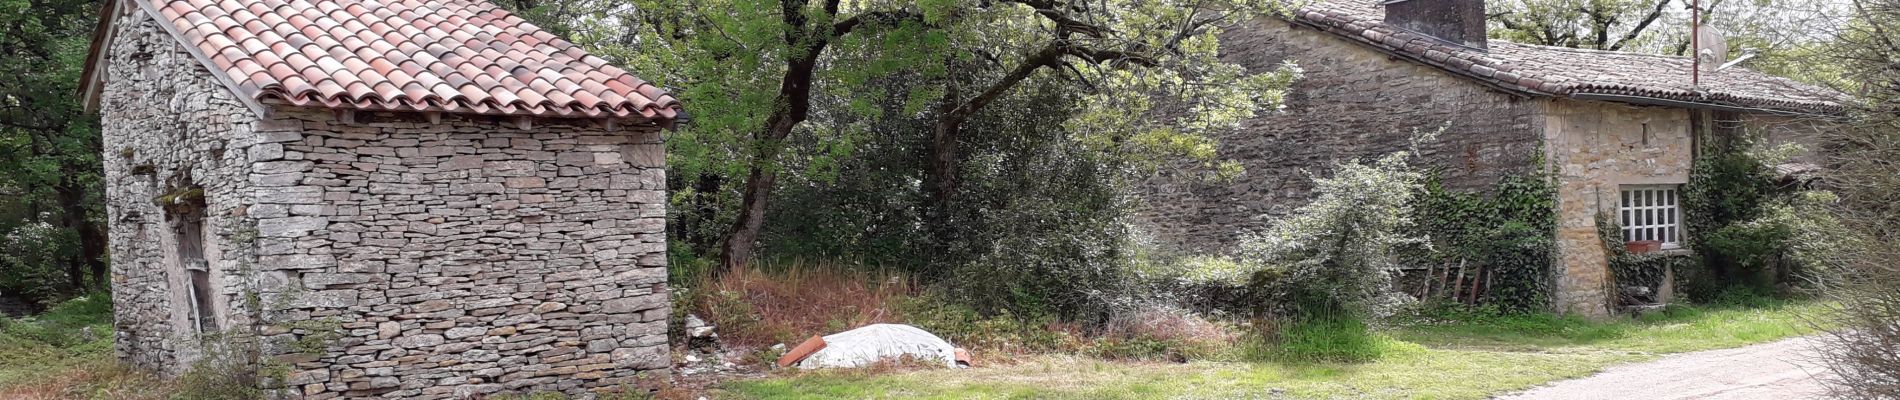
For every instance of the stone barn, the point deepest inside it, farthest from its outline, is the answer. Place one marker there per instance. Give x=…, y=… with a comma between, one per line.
x=1617, y=130
x=392, y=199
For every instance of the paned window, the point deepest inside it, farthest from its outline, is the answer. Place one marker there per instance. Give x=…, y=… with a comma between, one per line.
x=1651, y=212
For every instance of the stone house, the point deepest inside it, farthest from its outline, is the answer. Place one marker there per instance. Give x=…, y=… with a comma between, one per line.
x=1618, y=130
x=364, y=198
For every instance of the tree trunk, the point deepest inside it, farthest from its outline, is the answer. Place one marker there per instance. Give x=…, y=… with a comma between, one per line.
x=940, y=176
x=941, y=181
x=745, y=231
x=793, y=107
x=91, y=257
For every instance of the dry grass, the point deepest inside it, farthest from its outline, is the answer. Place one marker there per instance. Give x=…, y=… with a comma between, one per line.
x=97, y=379
x=1168, y=323
x=760, y=307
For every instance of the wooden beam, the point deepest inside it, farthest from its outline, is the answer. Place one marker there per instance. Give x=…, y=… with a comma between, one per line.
x=524, y=122
x=435, y=117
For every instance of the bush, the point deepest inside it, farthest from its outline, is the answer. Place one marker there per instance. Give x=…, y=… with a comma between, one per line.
x=992, y=337
x=227, y=371
x=33, y=261
x=1731, y=190
x=1335, y=256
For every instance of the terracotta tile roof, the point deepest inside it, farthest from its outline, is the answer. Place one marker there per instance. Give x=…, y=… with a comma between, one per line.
x=1545, y=70
x=454, y=56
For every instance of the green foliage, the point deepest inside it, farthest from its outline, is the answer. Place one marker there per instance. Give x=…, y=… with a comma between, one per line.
x=223, y=373
x=1648, y=269
x=1791, y=37
x=1736, y=216
x=1012, y=105
x=1336, y=255
x=1506, y=235
x=50, y=210
x=314, y=335
x=34, y=257
x=1866, y=180
x=970, y=329
x=70, y=333
x=82, y=321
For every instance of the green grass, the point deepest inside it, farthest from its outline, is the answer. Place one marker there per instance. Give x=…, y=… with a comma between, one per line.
x=74, y=333
x=1475, y=358
x=1677, y=329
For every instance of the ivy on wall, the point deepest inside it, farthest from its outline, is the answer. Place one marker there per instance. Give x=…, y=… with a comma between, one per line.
x=1646, y=270
x=1503, y=240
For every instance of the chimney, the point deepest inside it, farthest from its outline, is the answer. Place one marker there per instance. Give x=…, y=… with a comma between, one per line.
x=1456, y=21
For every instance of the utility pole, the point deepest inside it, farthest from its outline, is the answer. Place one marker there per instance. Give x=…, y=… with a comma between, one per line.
x=1695, y=43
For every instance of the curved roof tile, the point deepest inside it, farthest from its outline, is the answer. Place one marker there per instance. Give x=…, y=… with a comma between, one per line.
x=1547, y=70
x=455, y=56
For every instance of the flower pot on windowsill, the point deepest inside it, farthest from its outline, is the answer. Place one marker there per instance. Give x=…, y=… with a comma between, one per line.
x=1642, y=246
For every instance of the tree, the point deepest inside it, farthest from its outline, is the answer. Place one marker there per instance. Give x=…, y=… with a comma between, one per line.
x=1150, y=73
x=1862, y=351
x=1590, y=24
x=1774, y=28
x=50, y=148
x=749, y=71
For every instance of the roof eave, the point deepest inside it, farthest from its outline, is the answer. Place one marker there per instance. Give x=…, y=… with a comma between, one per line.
x=1822, y=112
x=1490, y=82
x=92, y=77
x=1543, y=87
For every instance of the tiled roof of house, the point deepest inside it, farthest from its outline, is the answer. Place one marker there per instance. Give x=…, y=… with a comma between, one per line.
x=1561, y=71
x=454, y=56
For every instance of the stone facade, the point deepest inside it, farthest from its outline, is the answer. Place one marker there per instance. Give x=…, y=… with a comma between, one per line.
x=1352, y=103
x=166, y=125
x=382, y=255
x=1355, y=102
x=1595, y=149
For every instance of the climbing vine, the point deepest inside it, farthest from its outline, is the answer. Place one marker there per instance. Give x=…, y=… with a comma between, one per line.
x=1503, y=240
x=1645, y=270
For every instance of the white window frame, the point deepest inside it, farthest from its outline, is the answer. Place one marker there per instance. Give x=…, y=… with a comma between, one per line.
x=1651, y=212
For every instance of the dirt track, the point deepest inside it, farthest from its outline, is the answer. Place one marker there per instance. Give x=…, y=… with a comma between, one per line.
x=1778, y=370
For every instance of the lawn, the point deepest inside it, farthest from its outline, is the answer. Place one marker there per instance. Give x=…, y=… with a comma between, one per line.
x=1472, y=359
x=67, y=353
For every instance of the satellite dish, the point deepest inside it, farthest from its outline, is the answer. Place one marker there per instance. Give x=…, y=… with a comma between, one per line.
x=1711, y=48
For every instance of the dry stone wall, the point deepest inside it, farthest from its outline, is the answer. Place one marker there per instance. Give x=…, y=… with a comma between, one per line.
x=1353, y=103
x=462, y=258
x=383, y=256
x=167, y=124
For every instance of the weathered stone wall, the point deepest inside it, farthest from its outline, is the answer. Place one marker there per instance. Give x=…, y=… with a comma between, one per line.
x=1353, y=102
x=385, y=257
x=167, y=123
x=463, y=258
x=1595, y=147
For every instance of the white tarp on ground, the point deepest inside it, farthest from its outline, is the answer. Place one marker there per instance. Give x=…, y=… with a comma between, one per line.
x=866, y=345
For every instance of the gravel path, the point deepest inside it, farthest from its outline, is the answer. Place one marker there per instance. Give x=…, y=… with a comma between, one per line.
x=1778, y=370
